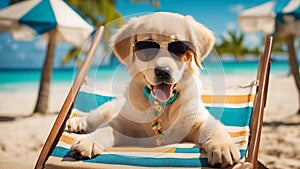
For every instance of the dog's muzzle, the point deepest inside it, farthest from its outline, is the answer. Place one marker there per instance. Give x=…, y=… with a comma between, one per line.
x=163, y=89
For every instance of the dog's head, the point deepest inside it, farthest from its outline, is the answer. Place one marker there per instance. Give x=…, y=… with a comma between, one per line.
x=160, y=47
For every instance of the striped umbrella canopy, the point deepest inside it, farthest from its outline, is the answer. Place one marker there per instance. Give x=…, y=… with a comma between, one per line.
x=280, y=17
x=27, y=18
x=53, y=19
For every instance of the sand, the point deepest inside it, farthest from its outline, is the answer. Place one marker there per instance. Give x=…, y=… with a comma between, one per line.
x=23, y=137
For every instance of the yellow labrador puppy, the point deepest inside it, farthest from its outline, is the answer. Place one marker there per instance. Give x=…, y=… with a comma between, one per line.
x=161, y=105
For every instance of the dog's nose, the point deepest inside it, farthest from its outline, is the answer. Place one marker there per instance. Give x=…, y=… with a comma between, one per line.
x=163, y=72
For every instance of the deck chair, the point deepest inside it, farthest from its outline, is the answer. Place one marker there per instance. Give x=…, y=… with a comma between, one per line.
x=245, y=105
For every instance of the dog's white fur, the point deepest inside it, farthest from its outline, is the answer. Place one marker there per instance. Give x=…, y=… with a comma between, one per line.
x=127, y=119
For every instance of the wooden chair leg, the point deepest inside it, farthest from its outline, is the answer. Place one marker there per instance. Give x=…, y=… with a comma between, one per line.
x=259, y=104
x=261, y=166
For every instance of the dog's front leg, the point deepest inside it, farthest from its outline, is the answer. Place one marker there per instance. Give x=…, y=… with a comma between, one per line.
x=95, y=118
x=215, y=140
x=219, y=147
x=92, y=144
x=100, y=134
x=105, y=136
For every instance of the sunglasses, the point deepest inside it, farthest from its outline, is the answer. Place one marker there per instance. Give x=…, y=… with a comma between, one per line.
x=147, y=50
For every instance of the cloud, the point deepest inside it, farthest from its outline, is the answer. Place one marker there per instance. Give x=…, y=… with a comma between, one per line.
x=9, y=40
x=225, y=35
x=14, y=46
x=40, y=44
x=236, y=8
x=22, y=56
x=231, y=26
x=252, y=40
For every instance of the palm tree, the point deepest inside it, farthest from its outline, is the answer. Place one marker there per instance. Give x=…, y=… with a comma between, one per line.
x=279, y=44
x=234, y=45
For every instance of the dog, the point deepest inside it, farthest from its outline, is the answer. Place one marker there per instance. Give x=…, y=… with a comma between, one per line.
x=161, y=105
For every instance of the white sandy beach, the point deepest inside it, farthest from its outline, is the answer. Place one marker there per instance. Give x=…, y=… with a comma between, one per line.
x=22, y=138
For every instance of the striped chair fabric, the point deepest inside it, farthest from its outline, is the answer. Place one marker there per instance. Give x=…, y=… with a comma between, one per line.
x=236, y=107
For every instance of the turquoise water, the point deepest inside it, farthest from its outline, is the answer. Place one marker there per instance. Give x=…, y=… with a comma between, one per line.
x=15, y=78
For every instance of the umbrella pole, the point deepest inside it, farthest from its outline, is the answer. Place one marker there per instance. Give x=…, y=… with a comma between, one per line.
x=45, y=81
x=294, y=63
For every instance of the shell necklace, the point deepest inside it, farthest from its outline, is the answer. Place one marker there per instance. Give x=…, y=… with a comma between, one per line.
x=158, y=108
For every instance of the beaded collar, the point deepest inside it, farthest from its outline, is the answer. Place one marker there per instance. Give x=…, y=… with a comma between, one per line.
x=157, y=110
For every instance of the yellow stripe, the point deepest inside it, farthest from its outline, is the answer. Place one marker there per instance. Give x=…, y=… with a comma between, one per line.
x=70, y=140
x=142, y=149
x=66, y=139
x=229, y=99
x=241, y=142
x=74, y=114
x=238, y=134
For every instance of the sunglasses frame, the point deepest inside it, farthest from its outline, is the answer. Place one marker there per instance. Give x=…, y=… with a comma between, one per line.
x=188, y=44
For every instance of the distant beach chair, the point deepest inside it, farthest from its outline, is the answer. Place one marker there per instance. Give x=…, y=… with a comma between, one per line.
x=242, y=116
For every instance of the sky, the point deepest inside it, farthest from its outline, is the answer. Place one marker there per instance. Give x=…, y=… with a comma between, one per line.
x=218, y=15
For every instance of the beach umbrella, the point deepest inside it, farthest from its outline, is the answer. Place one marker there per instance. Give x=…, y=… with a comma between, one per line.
x=279, y=18
x=54, y=20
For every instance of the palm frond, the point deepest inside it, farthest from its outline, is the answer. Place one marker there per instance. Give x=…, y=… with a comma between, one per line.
x=73, y=54
x=155, y=3
x=234, y=45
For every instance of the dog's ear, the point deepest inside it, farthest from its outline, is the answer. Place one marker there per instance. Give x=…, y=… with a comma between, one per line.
x=202, y=38
x=122, y=43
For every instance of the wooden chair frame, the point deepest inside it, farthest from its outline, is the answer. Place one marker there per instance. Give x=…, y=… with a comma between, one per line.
x=58, y=126
x=256, y=119
x=259, y=104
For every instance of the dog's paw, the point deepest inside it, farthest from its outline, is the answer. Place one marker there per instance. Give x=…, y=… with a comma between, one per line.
x=75, y=125
x=222, y=154
x=83, y=148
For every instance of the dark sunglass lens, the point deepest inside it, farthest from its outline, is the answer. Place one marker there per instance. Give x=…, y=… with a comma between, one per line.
x=146, y=50
x=179, y=47
x=141, y=45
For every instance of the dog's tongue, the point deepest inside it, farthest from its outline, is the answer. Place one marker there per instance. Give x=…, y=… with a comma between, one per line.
x=162, y=92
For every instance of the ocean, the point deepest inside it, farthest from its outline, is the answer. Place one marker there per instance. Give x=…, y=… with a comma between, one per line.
x=11, y=79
